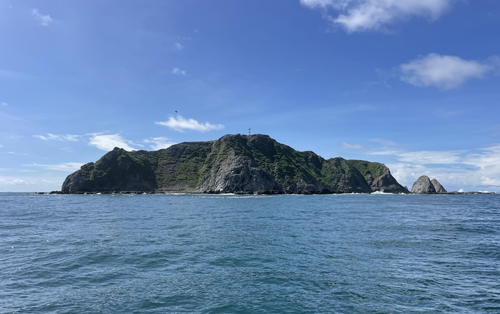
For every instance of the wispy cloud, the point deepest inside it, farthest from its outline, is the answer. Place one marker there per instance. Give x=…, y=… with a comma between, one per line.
x=12, y=75
x=159, y=142
x=68, y=166
x=4, y=104
x=365, y=15
x=13, y=182
x=55, y=137
x=178, y=46
x=178, y=71
x=15, y=153
x=424, y=157
x=351, y=146
x=180, y=124
x=456, y=167
x=444, y=72
x=383, y=141
x=44, y=20
x=109, y=142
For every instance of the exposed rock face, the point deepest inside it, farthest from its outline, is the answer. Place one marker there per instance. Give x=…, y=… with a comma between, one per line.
x=233, y=163
x=386, y=183
x=438, y=187
x=237, y=174
x=424, y=185
x=77, y=180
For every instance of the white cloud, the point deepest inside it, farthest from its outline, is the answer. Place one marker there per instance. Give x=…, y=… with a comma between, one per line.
x=453, y=168
x=351, y=146
x=17, y=182
x=45, y=20
x=179, y=46
x=321, y=3
x=68, y=166
x=55, y=137
x=444, y=72
x=180, y=124
x=424, y=157
x=108, y=142
x=488, y=163
x=159, y=142
x=4, y=104
x=30, y=184
x=364, y=15
x=177, y=71
x=14, y=182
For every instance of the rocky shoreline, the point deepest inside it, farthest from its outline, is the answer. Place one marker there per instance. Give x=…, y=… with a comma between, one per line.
x=272, y=192
x=237, y=164
x=253, y=164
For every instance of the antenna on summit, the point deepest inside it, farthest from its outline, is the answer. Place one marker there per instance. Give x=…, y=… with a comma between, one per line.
x=249, y=131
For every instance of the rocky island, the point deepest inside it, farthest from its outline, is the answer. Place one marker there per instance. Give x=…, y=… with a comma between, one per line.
x=231, y=164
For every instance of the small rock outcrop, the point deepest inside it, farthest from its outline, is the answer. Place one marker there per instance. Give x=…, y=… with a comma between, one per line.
x=438, y=187
x=232, y=164
x=424, y=185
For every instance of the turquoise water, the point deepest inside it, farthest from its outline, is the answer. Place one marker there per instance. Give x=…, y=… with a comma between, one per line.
x=249, y=254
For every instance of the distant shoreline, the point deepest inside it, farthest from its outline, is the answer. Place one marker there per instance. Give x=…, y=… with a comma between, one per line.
x=235, y=193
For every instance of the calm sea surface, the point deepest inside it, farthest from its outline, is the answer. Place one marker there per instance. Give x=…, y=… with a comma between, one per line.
x=249, y=254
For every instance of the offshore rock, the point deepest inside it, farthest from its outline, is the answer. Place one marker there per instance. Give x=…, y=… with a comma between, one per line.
x=438, y=187
x=423, y=185
x=232, y=164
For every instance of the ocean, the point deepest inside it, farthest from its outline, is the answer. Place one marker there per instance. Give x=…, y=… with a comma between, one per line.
x=350, y=253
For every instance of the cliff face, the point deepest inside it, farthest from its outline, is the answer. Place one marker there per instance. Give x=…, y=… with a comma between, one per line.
x=233, y=163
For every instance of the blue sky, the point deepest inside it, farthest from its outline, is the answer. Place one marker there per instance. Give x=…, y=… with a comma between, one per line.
x=413, y=84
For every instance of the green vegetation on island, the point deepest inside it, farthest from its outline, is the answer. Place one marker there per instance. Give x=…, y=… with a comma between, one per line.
x=233, y=163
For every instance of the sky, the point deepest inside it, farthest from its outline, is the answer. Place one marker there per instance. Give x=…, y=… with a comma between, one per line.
x=413, y=84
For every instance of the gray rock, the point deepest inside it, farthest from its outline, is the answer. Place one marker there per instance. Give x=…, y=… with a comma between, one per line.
x=423, y=185
x=237, y=174
x=438, y=187
x=77, y=180
x=387, y=183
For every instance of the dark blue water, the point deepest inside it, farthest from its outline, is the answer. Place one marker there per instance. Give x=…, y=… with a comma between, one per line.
x=251, y=254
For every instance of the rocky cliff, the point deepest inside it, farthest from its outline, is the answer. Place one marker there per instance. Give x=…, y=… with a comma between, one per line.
x=233, y=163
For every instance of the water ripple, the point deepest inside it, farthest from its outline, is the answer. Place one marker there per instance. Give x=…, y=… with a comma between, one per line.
x=249, y=254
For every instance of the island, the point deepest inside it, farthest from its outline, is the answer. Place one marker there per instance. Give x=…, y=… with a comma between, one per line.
x=246, y=164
